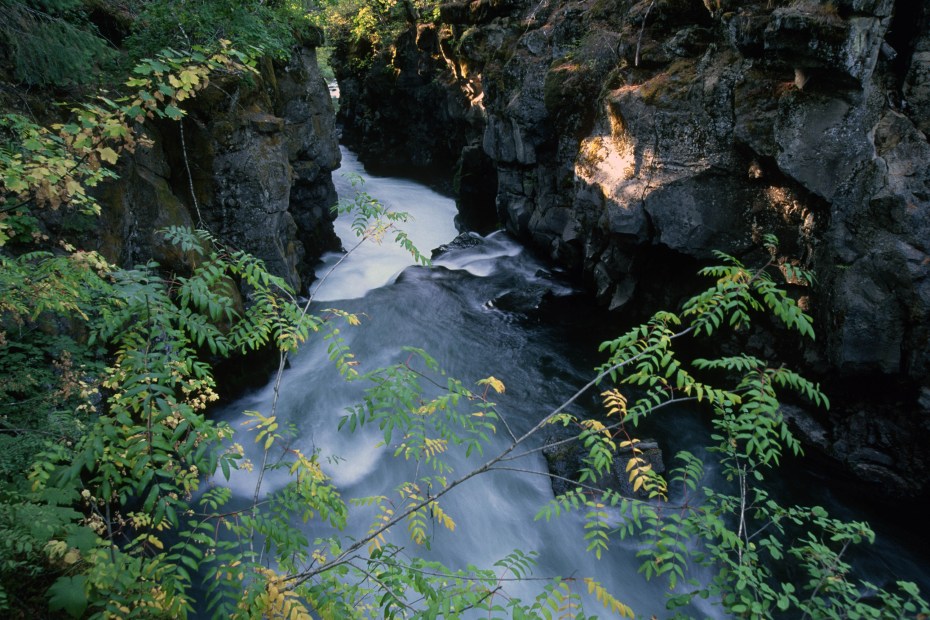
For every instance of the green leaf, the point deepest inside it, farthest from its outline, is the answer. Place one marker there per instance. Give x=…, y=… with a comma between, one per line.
x=173, y=112
x=108, y=155
x=82, y=538
x=68, y=594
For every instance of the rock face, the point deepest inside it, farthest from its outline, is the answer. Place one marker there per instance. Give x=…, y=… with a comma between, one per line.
x=251, y=162
x=434, y=121
x=631, y=138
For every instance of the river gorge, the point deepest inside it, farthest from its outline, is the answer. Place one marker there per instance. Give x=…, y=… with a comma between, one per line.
x=741, y=187
x=490, y=308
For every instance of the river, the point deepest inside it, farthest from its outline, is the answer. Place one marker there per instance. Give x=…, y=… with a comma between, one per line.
x=472, y=312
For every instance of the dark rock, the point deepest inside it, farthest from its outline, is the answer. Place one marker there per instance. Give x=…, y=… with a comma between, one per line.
x=924, y=399
x=806, y=427
x=525, y=300
x=565, y=459
x=700, y=213
x=252, y=166
x=266, y=123
x=464, y=240
x=690, y=41
x=816, y=37
x=917, y=84
x=414, y=117
x=136, y=207
x=870, y=456
x=475, y=11
x=475, y=184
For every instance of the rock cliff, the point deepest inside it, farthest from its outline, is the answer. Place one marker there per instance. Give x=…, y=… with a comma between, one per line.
x=251, y=162
x=628, y=139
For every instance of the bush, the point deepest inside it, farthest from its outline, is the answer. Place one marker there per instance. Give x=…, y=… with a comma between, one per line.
x=51, y=42
x=271, y=26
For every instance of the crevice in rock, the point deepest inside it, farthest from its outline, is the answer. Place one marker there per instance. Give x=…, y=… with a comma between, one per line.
x=906, y=25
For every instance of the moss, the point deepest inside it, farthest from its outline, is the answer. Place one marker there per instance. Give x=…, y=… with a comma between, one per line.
x=672, y=84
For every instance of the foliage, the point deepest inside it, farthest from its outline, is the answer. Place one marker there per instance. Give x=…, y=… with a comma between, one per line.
x=51, y=42
x=47, y=396
x=373, y=25
x=54, y=167
x=52, y=301
x=371, y=221
x=55, y=43
x=740, y=532
x=271, y=26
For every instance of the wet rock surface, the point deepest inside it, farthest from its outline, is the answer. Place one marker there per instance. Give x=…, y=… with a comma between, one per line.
x=565, y=455
x=463, y=241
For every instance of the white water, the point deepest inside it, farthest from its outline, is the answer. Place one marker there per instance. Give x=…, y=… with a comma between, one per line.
x=446, y=311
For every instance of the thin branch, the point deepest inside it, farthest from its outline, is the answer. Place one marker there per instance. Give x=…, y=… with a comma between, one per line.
x=190, y=177
x=642, y=28
x=483, y=398
x=279, y=375
x=462, y=577
x=610, y=427
x=384, y=587
x=589, y=487
x=282, y=362
x=826, y=576
x=301, y=577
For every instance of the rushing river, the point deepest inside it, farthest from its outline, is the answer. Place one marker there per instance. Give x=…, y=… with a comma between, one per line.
x=455, y=312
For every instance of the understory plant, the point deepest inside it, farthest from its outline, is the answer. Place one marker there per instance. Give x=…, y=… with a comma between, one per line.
x=52, y=43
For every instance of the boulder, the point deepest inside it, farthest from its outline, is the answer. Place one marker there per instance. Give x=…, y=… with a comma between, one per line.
x=463, y=241
x=821, y=45
x=564, y=457
x=526, y=300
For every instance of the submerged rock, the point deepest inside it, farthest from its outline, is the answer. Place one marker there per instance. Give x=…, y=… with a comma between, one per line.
x=463, y=241
x=526, y=300
x=565, y=455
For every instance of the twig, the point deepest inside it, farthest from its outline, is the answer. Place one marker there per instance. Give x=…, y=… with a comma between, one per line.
x=384, y=587
x=587, y=487
x=279, y=375
x=301, y=577
x=610, y=427
x=641, y=29
x=823, y=579
x=190, y=177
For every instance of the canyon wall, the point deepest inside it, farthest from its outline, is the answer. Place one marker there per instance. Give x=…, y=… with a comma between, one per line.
x=627, y=140
x=251, y=162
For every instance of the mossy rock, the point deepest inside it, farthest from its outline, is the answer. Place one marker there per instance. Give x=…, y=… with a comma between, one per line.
x=309, y=35
x=671, y=85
